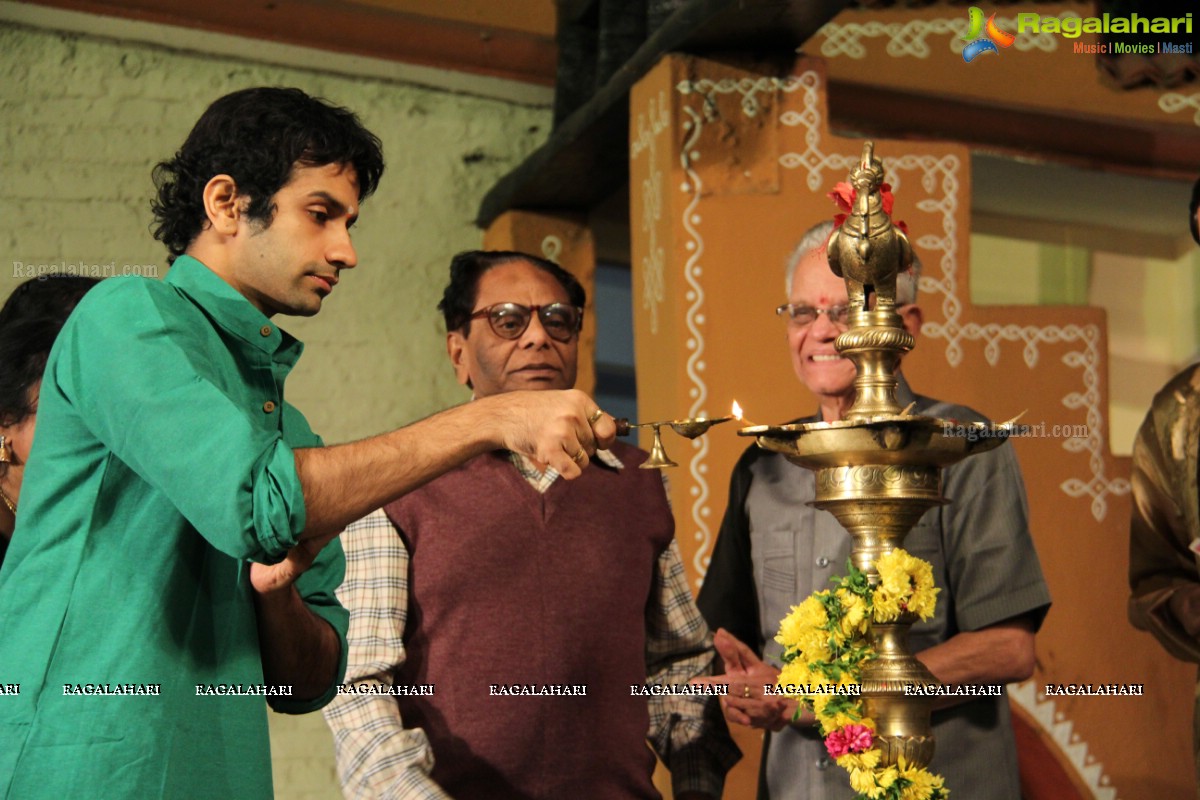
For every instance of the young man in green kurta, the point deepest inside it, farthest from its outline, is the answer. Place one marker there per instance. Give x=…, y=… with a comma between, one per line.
x=175, y=558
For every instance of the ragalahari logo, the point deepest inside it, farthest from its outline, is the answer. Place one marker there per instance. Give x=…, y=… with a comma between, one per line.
x=986, y=43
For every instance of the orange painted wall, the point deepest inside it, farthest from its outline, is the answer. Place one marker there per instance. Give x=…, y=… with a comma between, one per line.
x=729, y=165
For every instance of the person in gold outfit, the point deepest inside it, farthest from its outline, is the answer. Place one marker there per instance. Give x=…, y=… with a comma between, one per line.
x=1164, y=535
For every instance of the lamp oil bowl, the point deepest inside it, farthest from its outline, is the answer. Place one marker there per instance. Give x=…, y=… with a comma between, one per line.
x=691, y=428
x=887, y=438
x=879, y=476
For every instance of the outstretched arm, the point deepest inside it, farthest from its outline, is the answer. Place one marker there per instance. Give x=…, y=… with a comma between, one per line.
x=345, y=482
x=686, y=731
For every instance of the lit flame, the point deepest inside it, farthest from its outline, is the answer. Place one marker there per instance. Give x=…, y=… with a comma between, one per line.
x=738, y=414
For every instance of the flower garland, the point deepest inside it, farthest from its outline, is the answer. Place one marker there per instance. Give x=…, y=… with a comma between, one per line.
x=825, y=642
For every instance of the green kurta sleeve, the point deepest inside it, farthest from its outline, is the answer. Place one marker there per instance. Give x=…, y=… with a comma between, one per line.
x=178, y=414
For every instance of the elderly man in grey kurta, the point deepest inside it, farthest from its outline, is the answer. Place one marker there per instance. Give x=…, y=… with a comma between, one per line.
x=774, y=550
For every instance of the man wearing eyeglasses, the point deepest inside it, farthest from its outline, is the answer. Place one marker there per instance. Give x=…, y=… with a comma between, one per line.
x=774, y=550
x=513, y=635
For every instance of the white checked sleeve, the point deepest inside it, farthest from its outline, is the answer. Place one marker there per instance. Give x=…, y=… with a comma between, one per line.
x=687, y=731
x=377, y=757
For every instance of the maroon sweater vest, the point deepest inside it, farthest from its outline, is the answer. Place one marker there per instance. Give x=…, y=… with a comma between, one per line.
x=511, y=588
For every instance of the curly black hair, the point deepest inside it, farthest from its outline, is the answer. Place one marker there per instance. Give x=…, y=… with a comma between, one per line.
x=257, y=136
x=466, y=268
x=29, y=323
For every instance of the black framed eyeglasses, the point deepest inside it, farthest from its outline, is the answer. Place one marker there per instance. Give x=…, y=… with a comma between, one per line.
x=509, y=320
x=801, y=316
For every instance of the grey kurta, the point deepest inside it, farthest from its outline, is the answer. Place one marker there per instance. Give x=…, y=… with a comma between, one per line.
x=774, y=550
x=1166, y=518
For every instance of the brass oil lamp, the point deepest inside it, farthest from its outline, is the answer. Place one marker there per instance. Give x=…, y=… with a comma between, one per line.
x=879, y=469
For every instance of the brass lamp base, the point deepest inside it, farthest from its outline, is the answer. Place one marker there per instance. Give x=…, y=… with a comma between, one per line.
x=902, y=720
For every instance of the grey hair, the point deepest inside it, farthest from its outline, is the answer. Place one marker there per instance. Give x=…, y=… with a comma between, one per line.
x=816, y=237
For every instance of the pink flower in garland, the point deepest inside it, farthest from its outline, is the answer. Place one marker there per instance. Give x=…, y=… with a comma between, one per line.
x=850, y=739
x=843, y=196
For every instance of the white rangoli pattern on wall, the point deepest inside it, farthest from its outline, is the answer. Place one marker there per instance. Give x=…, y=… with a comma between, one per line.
x=552, y=248
x=1062, y=732
x=909, y=38
x=692, y=272
x=1174, y=102
x=650, y=127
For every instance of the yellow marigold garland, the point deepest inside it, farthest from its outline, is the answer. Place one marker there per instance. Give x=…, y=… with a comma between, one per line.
x=825, y=642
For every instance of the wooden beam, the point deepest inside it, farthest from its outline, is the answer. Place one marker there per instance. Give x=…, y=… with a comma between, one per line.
x=586, y=157
x=1107, y=145
x=362, y=30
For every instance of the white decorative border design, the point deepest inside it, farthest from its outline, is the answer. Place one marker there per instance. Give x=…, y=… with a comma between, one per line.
x=551, y=248
x=909, y=38
x=1174, y=102
x=695, y=343
x=1061, y=730
x=1099, y=486
x=746, y=87
x=945, y=169
x=649, y=127
x=692, y=272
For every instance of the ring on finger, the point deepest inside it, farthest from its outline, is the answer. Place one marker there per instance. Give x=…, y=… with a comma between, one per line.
x=579, y=456
x=746, y=692
x=595, y=415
